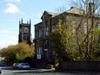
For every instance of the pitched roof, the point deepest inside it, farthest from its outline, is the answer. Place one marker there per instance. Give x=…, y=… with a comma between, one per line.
x=73, y=10
x=76, y=10
x=52, y=14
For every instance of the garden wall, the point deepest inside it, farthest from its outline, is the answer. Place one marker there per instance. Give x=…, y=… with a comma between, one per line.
x=80, y=66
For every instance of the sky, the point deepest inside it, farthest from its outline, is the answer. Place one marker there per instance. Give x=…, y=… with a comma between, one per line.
x=11, y=11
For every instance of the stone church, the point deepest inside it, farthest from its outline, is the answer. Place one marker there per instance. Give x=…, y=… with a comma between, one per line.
x=24, y=32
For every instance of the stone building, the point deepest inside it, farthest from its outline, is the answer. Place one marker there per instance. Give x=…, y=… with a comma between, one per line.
x=24, y=32
x=74, y=16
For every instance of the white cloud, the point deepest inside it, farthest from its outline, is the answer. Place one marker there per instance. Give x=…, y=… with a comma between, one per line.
x=8, y=37
x=11, y=40
x=11, y=0
x=6, y=43
x=13, y=37
x=5, y=32
x=11, y=8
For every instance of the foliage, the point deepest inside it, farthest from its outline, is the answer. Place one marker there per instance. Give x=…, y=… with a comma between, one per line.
x=96, y=45
x=70, y=45
x=88, y=45
x=17, y=52
x=78, y=44
x=63, y=41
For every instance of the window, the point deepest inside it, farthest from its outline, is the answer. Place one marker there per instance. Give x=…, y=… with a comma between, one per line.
x=46, y=31
x=40, y=33
x=54, y=24
x=46, y=44
x=39, y=53
x=39, y=50
x=25, y=37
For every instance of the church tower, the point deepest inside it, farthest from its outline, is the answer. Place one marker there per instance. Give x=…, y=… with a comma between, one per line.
x=25, y=32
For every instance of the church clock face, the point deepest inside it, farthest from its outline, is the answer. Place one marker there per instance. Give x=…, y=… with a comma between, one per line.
x=26, y=30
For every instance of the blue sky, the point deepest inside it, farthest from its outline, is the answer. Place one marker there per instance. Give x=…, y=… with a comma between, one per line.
x=11, y=11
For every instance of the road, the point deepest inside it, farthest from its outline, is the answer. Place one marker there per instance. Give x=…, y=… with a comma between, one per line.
x=43, y=72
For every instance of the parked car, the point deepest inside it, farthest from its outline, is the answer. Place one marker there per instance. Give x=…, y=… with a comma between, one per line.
x=4, y=66
x=21, y=65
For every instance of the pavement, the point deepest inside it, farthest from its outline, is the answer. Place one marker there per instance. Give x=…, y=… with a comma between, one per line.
x=10, y=71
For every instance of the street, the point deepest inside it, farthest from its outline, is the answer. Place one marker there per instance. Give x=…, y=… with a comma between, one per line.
x=27, y=72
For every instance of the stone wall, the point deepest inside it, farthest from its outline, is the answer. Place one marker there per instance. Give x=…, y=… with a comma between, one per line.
x=80, y=66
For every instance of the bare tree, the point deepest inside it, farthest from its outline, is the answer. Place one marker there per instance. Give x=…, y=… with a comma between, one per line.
x=60, y=9
x=91, y=10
